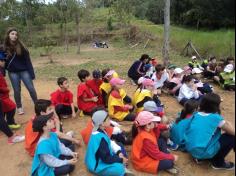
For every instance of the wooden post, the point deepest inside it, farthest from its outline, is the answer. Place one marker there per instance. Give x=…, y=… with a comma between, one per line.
x=166, y=46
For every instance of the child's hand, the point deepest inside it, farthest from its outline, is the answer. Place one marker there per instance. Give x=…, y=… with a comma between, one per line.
x=129, y=106
x=76, y=141
x=95, y=99
x=75, y=155
x=176, y=157
x=73, y=161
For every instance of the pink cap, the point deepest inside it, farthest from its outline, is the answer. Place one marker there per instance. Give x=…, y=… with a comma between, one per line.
x=145, y=118
x=117, y=81
x=148, y=82
x=110, y=73
x=187, y=69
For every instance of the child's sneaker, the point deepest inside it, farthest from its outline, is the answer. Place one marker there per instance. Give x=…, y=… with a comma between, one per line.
x=173, y=171
x=225, y=166
x=14, y=126
x=171, y=145
x=128, y=172
x=20, y=111
x=16, y=139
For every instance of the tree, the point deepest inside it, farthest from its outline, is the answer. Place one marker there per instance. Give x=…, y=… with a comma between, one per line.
x=166, y=46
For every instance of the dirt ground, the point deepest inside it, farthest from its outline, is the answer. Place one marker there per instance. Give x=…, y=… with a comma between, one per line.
x=16, y=162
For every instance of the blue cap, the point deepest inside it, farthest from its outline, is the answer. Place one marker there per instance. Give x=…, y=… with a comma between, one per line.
x=2, y=55
x=97, y=74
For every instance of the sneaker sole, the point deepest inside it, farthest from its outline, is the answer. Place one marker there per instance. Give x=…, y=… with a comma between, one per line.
x=216, y=168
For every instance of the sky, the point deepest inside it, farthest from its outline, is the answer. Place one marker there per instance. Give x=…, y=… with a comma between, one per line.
x=46, y=1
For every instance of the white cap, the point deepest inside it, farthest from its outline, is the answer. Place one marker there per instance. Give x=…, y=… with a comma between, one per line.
x=178, y=71
x=229, y=68
x=194, y=57
x=140, y=80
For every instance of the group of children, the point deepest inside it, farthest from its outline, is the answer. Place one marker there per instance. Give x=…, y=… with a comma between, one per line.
x=104, y=99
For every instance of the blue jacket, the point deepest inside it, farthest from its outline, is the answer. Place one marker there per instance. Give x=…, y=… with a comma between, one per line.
x=202, y=136
x=48, y=146
x=20, y=63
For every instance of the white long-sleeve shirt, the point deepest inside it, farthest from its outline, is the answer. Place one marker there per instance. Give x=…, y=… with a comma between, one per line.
x=187, y=92
x=52, y=161
x=160, y=82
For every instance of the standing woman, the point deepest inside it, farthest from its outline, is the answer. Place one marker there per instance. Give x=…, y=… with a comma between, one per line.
x=19, y=67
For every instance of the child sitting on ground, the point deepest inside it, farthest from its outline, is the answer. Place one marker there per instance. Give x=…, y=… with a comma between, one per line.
x=195, y=66
x=149, y=152
x=190, y=107
x=94, y=84
x=62, y=99
x=146, y=93
x=119, y=103
x=227, y=78
x=8, y=106
x=113, y=131
x=188, y=90
x=43, y=107
x=86, y=98
x=105, y=87
x=103, y=157
x=51, y=157
x=210, y=71
x=175, y=82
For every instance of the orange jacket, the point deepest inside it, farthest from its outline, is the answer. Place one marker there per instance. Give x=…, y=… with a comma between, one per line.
x=87, y=131
x=31, y=138
x=145, y=164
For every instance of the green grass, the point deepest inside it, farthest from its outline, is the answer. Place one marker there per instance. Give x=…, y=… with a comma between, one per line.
x=220, y=43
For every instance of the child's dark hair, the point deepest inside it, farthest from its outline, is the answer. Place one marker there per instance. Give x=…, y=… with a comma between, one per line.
x=144, y=56
x=189, y=107
x=82, y=74
x=230, y=58
x=61, y=80
x=104, y=72
x=159, y=68
x=135, y=130
x=210, y=103
x=188, y=79
x=40, y=121
x=212, y=58
x=41, y=105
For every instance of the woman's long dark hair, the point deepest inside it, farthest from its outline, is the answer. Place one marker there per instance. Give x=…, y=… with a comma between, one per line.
x=18, y=47
x=210, y=103
x=189, y=107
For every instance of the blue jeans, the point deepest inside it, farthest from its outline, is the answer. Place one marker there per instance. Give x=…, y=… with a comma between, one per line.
x=16, y=78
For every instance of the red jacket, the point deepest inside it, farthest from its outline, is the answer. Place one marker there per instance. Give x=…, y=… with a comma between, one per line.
x=94, y=85
x=59, y=97
x=7, y=103
x=83, y=91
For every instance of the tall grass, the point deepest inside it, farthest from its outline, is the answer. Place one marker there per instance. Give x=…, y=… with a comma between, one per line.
x=220, y=43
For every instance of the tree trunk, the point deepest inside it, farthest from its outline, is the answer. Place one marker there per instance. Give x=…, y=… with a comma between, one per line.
x=78, y=31
x=166, y=46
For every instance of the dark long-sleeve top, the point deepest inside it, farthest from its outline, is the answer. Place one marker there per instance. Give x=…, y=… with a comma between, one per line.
x=104, y=153
x=137, y=70
x=18, y=63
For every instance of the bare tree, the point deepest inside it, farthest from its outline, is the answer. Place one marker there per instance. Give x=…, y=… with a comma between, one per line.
x=166, y=46
x=78, y=29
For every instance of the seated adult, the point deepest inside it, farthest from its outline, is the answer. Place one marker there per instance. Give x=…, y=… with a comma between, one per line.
x=160, y=77
x=138, y=69
x=208, y=135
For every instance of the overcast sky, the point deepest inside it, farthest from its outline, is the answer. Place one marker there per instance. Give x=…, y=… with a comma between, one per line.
x=47, y=1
